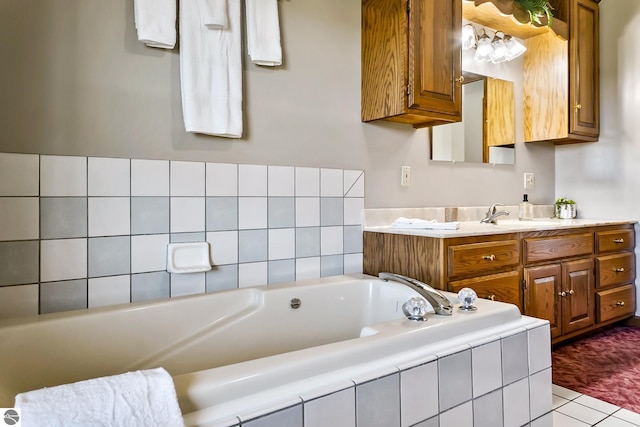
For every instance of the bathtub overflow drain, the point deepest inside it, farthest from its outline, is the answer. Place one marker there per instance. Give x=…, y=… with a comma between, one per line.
x=295, y=303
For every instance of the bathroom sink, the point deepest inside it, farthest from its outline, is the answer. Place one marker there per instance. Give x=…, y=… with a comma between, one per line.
x=535, y=223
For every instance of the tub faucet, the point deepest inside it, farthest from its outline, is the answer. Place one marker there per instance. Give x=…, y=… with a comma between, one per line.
x=440, y=303
x=490, y=217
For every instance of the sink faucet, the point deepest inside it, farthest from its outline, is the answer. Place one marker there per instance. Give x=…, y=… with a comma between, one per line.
x=440, y=303
x=491, y=215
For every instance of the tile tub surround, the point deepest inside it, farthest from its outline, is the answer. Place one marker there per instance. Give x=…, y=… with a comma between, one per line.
x=500, y=380
x=80, y=232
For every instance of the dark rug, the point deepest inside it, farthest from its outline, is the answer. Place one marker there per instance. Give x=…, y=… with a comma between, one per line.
x=605, y=366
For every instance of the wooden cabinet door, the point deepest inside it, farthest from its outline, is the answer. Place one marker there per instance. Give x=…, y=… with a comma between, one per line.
x=584, y=89
x=577, y=302
x=435, y=64
x=542, y=287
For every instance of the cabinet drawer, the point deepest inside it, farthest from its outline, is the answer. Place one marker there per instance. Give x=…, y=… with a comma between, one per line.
x=503, y=287
x=486, y=257
x=615, y=269
x=615, y=303
x=552, y=248
x=615, y=241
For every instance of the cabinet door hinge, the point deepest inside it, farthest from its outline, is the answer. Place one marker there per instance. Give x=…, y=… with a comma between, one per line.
x=408, y=7
x=408, y=90
x=524, y=284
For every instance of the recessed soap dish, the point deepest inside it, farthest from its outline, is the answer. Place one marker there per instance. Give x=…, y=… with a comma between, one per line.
x=188, y=257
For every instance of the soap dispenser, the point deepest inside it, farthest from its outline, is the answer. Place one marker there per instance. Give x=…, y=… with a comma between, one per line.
x=525, y=211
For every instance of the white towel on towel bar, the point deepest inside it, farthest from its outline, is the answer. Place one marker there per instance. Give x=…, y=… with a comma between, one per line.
x=141, y=398
x=211, y=72
x=263, y=32
x=214, y=13
x=156, y=22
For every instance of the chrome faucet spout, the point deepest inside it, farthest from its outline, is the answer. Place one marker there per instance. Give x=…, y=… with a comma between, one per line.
x=440, y=303
x=492, y=214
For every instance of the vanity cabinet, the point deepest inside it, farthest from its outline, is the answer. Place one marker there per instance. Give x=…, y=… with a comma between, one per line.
x=411, y=66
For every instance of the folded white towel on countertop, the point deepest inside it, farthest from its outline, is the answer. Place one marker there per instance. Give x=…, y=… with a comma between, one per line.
x=263, y=32
x=214, y=13
x=156, y=22
x=141, y=399
x=416, y=223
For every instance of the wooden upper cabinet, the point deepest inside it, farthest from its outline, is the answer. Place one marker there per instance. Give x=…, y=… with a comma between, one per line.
x=499, y=115
x=411, y=61
x=584, y=93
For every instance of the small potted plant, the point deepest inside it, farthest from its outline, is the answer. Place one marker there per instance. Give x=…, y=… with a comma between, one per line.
x=538, y=12
x=565, y=208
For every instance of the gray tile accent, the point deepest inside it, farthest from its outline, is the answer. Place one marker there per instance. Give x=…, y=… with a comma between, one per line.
x=378, y=402
x=431, y=422
x=352, y=239
x=281, y=212
x=252, y=245
x=289, y=417
x=19, y=262
x=222, y=278
x=331, y=265
x=109, y=256
x=187, y=237
x=149, y=215
x=515, y=365
x=222, y=213
x=63, y=217
x=331, y=211
x=307, y=242
x=454, y=379
x=63, y=296
x=487, y=410
x=282, y=271
x=149, y=286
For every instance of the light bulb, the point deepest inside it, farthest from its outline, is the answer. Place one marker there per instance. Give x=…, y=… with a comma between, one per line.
x=499, y=50
x=468, y=37
x=484, y=49
x=514, y=47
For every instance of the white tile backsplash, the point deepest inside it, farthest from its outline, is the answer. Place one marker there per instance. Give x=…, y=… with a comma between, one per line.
x=18, y=301
x=331, y=240
x=62, y=176
x=418, y=402
x=282, y=243
x=252, y=180
x=486, y=363
x=109, y=216
x=307, y=268
x=224, y=247
x=252, y=213
x=187, y=179
x=19, y=174
x=111, y=290
x=331, y=183
x=252, y=274
x=23, y=213
x=308, y=182
x=187, y=214
x=281, y=181
x=149, y=177
x=187, y=284
x=149, y=253
x=63, y=259
x=353, y=183
x=108, y=177
x=222, y=179
x=353, y=208
x=307, y=212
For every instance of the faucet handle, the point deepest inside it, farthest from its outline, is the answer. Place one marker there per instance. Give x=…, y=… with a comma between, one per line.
x=492, y=209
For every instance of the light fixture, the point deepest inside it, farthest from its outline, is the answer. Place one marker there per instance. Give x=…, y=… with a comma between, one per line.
x=496, y=50
x=483, y=48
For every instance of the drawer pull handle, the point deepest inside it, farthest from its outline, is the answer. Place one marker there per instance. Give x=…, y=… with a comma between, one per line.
x=562, y=294
x=491, y=257
x=618, y=240
x=620, y=303
x=619, y=270
x=491, y=297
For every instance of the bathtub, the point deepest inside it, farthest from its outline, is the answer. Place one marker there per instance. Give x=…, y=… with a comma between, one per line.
x=243, y=353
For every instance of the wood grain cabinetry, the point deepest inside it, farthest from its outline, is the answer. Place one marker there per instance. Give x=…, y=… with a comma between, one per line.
x=411, y=66
x=578, y=279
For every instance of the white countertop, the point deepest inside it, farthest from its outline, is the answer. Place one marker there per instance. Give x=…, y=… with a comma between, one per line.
x=503, y=226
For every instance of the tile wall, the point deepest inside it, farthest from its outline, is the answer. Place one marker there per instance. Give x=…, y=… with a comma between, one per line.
x=78, y=232
x=500, y=381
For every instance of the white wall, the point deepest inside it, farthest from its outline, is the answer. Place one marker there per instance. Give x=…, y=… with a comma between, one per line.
x=604, y=177
x=75, y=81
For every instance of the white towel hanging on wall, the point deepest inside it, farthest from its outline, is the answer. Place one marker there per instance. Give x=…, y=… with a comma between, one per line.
x=156, y=22
x=263, y=32
x=211, y=71
x=214, y=13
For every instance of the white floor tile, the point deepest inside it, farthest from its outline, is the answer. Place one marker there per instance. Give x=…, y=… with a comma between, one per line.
x=558, y=401
x=615, y=422
x=597, y=404
x=625, y=414
x=564, y=392
x=561, y=420
x=582, y=413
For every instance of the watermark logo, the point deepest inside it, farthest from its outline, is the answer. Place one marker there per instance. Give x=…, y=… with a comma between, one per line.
x=11, y=417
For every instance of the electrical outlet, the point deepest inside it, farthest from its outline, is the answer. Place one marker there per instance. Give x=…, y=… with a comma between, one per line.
x=529, y=181
x=405, y=179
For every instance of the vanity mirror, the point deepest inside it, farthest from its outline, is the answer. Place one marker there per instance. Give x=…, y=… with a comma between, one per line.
x=486, y=133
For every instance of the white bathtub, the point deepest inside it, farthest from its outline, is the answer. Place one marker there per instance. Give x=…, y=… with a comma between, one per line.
x=232, y=352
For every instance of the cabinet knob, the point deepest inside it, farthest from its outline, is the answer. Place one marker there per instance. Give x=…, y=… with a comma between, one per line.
x=620, y=303
x=578, y=107
x=618, y=240
x=460, y=79
x=619, y=270
x=562, y=294
x=491, y=257
x=570, y=292
x=491, y=297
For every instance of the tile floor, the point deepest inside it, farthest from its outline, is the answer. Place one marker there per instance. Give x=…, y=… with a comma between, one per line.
x=572, y=409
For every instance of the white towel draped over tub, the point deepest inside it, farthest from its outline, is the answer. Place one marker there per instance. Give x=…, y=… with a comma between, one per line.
x=211, y=71
x=263, y=32
x=141, y=398
x=156, y=22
